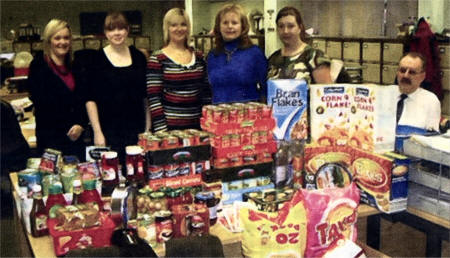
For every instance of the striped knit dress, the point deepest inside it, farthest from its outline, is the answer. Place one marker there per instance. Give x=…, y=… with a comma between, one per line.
x=176, y=92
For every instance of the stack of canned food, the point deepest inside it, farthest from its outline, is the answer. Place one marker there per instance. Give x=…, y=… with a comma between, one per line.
x=173, y=139
x=242, y=134
x=236, y=112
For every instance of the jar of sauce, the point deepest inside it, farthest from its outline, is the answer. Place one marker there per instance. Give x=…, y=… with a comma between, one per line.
x=135, y=164
x=209, y=199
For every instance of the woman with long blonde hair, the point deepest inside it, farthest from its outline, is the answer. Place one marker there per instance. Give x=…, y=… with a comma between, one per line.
x=176, y=77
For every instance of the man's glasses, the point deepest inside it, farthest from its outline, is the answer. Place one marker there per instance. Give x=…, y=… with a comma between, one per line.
x=403, y=70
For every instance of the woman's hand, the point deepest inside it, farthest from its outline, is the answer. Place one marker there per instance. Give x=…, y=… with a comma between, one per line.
x=75, y=132
x=99, y=139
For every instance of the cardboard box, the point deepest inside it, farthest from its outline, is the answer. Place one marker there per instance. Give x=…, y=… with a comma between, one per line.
x=289, y=101
x=383, y=180
x=359, y=115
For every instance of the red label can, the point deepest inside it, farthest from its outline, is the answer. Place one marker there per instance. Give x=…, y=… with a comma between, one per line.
x=171, y=170
x=164, y=226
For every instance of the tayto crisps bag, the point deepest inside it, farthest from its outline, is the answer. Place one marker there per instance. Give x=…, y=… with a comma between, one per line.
x=332, y=214
x=275, y=234
x=289, y=101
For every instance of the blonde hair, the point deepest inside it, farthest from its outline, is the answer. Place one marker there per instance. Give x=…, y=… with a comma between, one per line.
x=244, y=39
x=174, y=12
x=52, y=27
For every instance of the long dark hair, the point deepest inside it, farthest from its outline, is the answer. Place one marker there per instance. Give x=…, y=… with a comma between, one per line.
x=289, y=10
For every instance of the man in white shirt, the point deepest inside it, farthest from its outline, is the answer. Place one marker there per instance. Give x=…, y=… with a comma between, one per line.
x=416, y=106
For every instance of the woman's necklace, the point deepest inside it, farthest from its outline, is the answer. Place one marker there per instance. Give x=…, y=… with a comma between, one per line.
x=229, y=53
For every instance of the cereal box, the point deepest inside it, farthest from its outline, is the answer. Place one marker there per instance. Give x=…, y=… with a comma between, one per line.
x=372, y=122
x=289, y=101
x=359, y=115
x=331, y=107
x=383, y=179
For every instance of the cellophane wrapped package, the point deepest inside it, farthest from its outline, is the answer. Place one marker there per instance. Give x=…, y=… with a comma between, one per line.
x=275, y=234
x=331, y=214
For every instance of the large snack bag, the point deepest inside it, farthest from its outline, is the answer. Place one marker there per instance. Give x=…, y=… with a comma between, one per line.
x=332, y=214
x=373, y=117
x=289, y=102
x=275, y=234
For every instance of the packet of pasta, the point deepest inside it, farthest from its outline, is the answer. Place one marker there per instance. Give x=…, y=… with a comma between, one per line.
x=275, y=234
x=332, y=214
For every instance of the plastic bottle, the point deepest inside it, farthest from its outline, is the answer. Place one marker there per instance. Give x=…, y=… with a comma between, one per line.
x=296, y=153
x=280, y=172
x=90, y=193
x=77, y=191
x=38, y=215
x=55, y=199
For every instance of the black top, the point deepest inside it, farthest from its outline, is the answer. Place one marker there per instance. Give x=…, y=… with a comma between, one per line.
x=56, y=107
x=119, y=93
x=14, y=147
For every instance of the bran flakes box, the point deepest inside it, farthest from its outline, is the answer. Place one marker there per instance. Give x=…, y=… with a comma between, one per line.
x=289, y=102
x=373, y=117
x=331, y=107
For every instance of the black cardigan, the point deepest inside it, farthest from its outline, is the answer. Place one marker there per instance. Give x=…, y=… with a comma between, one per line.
x=57, y=108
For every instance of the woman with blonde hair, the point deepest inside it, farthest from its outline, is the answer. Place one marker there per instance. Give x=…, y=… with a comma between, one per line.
x=116, y=102
x=237, y=69
x=56, y=95
x=176, y=77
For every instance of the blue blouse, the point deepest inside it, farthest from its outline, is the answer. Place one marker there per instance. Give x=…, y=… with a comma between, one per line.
x=235, y=73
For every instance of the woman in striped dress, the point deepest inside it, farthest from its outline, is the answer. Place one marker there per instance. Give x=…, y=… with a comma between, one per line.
x=177, y=85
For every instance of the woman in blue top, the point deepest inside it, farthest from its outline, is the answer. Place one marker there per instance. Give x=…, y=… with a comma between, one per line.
x=237, y=69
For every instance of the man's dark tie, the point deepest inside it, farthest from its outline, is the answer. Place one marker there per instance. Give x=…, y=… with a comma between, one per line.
x=400, y=106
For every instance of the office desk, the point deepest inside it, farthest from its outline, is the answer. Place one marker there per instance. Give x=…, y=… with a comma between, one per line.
x=436, y=228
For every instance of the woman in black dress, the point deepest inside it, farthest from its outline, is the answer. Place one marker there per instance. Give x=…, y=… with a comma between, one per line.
x=116, y=101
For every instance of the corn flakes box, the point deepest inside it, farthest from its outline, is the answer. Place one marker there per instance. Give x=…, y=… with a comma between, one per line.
x=373, y=117
x=289, y=102
x=331, y=107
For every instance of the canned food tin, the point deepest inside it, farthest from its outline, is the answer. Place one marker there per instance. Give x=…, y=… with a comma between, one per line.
x=266, y=111
x=155, y=172
x=207, y=112
x=226, y=141
x=236, y=161
x=217, y=113
x=255, y=138
x=221, y=163
x=248, y=159
x=263, y=137
x=246, y=139
x=170, y=141
x=235, y=140
x=184, y=169
x=233, y=114
x=171, y=170
x=204, y=138
x=142, y=139
x=153, y=143
x=252, y=111
x=164, y=226
x=187, y=139
x=162, y=134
